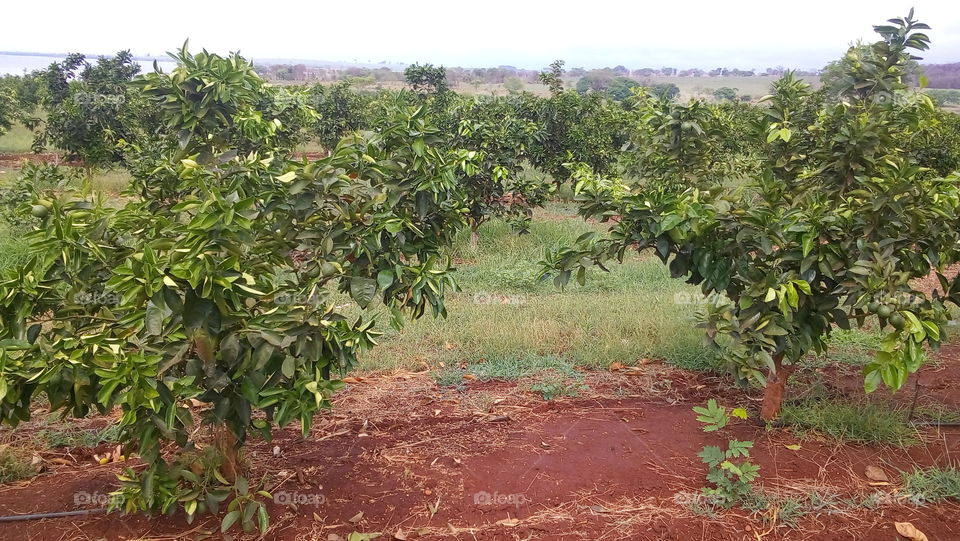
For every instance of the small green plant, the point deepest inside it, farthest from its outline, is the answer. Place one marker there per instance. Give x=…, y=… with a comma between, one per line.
x=932, y=485
x=554, y=384
x=730, y=470
x=716, y=417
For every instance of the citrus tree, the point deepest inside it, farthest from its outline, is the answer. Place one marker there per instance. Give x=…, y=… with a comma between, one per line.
x=340, y=110
x=829, y=234
x=674, y=142
x=493, y=181
x=203, y=308
x=89, y=108
x=9, y=108
x=571, y=127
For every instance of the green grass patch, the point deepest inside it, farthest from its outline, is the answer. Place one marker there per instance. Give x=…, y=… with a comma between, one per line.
x=550, y=376
x=853, y=347
x=505, y=311
x=864, y=422
x=74, y=437
x=17, y=140
x=937, y=413
x=14, y=464
x=13, y=249
x=932, y=485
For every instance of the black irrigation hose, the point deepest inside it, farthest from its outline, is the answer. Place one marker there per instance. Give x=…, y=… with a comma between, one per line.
x=57, y=514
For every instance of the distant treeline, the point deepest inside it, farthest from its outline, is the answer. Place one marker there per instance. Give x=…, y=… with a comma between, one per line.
x=943, y=75
x=496, y=75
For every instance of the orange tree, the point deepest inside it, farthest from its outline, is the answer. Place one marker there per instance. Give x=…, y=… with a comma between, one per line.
x=89, y=108
x=830, y=232
x=494, y=181
x=206, y=301
x=571, y=127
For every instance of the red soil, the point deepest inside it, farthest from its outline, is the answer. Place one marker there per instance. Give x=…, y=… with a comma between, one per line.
x=496, y=462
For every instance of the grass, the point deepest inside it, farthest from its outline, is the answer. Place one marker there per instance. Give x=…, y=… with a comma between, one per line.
x=865, y=422
x=932, y=485
x=14, y=464
x=505, y=311
x=16, y=141
x=73, y=437
x=937, y=413
x=13, y=249
x=550, y=376
x=853, y=347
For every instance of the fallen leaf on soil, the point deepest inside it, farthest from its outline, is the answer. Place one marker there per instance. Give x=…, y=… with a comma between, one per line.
x=357, y=518
x=909, y=531
x=470, y=377
x=400, y=535
x=433, y=507
x=740, y=413
x=616, y=366
x=357, y=536
x=508, y=522
x=352, y=380
x=794, y=447
x=874, y=473
x=317, y=518
x=61, y=461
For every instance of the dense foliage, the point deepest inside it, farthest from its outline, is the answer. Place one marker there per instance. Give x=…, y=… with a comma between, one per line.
x=828, y=234
x=89, y=108
x=214, y=284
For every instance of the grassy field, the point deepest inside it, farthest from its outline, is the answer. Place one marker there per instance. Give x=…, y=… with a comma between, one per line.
x=16, y=140
x=505, y=311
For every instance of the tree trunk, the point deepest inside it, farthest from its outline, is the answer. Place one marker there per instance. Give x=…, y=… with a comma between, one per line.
x=226, y=443
x=474, y=237
x=775, y=390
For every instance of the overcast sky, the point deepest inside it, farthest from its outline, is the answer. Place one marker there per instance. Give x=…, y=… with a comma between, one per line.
x=596, y=33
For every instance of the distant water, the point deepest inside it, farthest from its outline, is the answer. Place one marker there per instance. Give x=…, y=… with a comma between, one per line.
x=14, y=64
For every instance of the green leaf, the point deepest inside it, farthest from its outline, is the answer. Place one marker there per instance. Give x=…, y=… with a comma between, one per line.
x=153, y=320
x=287, y=177
x=771, y=294
x=288, y=369
x=363, y=290
x=228, y=520
x=384, y=279
x=264, y=519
